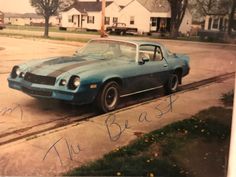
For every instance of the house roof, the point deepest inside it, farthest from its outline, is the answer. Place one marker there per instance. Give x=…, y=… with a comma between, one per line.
x=86, y=6
x=155, y=5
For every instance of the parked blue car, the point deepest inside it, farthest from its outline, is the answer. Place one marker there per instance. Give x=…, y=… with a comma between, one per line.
x=102, y=72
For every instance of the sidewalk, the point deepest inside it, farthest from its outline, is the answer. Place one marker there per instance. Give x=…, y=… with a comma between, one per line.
x=58, y=151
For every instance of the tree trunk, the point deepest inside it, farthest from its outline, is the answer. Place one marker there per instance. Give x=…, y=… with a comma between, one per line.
x=174, y=30
x=46, y=28
x=231, y=18
x=178, y=9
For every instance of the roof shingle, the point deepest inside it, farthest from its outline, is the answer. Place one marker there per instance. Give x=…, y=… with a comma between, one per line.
x=84, y=7
x=156, y=5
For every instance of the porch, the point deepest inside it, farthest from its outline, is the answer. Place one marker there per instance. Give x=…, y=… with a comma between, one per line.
x=159, y=24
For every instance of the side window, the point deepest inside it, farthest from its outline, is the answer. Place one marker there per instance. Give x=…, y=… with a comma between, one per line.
x=158, y=56
x=147, y=52
x=151, y=52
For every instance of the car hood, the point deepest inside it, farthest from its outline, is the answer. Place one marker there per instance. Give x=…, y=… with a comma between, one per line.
x=70, y=65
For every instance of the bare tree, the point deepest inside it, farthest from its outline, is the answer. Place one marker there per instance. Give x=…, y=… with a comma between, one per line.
x=178, y=9
x=48, y=8
x=212, y=7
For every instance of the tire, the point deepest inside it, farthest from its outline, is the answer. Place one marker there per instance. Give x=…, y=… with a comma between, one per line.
x=108, y=97
x=172, y=84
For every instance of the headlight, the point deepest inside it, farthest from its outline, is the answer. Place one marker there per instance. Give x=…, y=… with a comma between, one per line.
x=74, y=82
x=22, y=74
x=18, y=71
x=63, y=82
x=15, y=72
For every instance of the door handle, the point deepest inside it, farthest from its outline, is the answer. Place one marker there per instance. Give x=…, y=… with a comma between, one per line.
x=165, y=65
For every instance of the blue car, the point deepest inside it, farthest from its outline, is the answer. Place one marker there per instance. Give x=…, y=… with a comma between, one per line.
x=102, y=72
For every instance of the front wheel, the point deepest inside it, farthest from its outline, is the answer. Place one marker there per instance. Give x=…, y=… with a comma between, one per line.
x=108, y=97
x=172, y=84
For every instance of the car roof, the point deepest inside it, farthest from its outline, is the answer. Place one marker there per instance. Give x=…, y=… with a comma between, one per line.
x=141, y=42
x=137, y=42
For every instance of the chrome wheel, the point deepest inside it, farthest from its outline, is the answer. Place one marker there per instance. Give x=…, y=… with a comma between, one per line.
x=108, y=97
x=111, y=97
x=174, y=83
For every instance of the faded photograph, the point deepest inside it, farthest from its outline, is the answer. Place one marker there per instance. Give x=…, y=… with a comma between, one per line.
x=117, y=88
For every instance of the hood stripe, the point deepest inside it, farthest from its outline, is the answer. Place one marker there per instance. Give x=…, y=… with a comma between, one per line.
x=54, y=62
x=70, y=67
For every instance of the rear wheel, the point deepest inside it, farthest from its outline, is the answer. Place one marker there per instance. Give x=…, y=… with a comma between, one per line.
x=108, y=97
x=172, y=84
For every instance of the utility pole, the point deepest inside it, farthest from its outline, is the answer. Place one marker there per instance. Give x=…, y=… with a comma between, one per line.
x=103, y=34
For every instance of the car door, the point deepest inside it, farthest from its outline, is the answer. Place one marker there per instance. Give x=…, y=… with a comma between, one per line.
x=149, y=73
x=157, y=67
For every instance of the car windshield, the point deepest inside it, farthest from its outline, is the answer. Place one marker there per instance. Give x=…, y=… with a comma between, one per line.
x=108, y=49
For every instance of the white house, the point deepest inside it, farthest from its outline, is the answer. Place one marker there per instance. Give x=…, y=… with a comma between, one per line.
x=28, y=19
x=83, y=15
x=1, y=17
x=216, y=22
x=145, y=15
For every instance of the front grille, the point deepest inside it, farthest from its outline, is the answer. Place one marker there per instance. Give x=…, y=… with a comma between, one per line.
x=45, y=80
x=36, y=92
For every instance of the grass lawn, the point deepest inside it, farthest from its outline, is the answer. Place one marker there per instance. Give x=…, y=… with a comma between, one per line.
x=56, y=29
x=83, y=40
x=196, y=147
x=227, y=98
x=51, y=29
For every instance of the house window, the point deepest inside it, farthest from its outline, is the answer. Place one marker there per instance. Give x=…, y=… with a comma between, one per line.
x=153, y=21
x=70, y=18
x=221, y=24
x=215, y=23
x=132, y=20
x=209, y=23
x=107, y=20
x=226, y=24
x=90, y=19
x=115, y=19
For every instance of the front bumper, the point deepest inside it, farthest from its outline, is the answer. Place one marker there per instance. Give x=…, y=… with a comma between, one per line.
x=78, y=96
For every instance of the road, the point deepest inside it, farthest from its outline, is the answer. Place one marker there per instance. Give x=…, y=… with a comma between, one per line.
x=20, y=112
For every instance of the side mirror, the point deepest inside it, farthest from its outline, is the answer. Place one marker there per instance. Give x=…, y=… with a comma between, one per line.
x=143, y=61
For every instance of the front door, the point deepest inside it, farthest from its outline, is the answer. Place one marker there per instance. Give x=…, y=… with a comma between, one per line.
x=78, y=21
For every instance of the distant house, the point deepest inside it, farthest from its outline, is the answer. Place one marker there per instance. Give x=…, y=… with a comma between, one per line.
x=83, y=15
x=216, y=22
x=145, y=15
x=1, y=17
x=28, y=19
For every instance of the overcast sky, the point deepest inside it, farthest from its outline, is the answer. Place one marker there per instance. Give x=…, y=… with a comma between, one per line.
x=17, y=6
x=23, y=6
